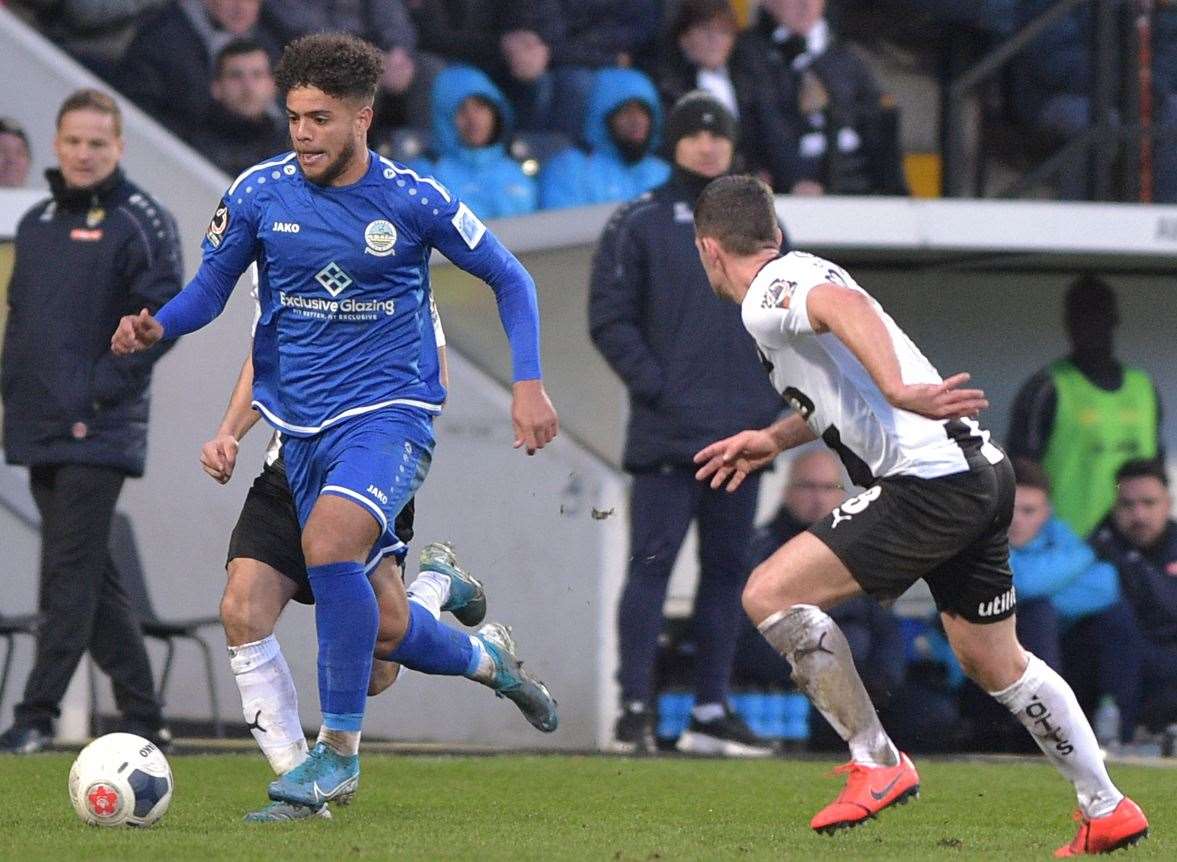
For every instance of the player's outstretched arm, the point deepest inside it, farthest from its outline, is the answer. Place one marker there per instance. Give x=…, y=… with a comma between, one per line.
x=533, y=416
x=135, y=332
x=851, y=316
x=730, y=461
x=218, y=457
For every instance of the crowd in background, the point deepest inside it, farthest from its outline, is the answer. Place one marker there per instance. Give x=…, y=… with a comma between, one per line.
x=553, y=103
x=542, y=104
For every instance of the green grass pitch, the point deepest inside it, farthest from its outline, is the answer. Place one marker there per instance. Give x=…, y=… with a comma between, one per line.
x=558, y=807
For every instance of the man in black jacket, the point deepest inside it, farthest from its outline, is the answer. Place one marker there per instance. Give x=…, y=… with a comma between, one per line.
x=680, y=351
x=814, y=121
x=75, y=414
x=243, y=126
x=1139, y=538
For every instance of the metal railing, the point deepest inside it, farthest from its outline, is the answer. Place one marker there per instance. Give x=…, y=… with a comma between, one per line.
x=1093, y=151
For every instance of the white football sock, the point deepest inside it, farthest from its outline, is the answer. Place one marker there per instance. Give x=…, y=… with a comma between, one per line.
x=1045, y=705
x=824, y=669
x=706, y=712
x=269, y=702
x=485, y=672
x=342, y=742
x=430, y=590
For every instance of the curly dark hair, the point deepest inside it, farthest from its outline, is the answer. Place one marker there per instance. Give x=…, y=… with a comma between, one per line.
x=340, y=65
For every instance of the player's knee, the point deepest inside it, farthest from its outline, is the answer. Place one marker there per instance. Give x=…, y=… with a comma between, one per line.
x=239, y=625
x=991, y=669
x=384, y=674
x=322, y=547
x=763, y=595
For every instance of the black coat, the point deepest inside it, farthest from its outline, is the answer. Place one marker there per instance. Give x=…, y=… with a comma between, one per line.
x=167, y=69
x=83, y=260
x=772, y=122
x=690, y=366
x=234, y=143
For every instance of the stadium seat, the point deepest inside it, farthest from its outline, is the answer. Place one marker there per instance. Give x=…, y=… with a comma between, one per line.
x=125, y=554
x=10, y=627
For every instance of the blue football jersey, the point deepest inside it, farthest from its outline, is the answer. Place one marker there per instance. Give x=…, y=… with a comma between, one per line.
x=343, y=288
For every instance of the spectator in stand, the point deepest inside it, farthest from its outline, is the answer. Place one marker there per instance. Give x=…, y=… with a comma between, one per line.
x=679, y=350
x=1140, y=540
x=96, y=33
x=622, y=129
x=696, y=56
x=1053, y=80
x=1069, y=604
x=1083, y=416
x=15, y=158
x=815, y=487
x=580, y=37
x=815, y=122
x=471, y=122
x=461, y=31
x=242, y=127
x=168, y=68
x=529, y=30
x=408, y=72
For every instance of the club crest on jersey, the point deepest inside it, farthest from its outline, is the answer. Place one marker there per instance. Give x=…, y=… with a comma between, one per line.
x=218, y=225
x=379, y=238
x=778, y=294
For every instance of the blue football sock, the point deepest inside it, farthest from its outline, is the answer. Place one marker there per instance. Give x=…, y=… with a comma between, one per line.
x=430, y=646
x=346, y=619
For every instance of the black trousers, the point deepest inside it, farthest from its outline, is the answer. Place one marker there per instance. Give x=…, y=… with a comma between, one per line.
x=82, y=598
x=663, y=504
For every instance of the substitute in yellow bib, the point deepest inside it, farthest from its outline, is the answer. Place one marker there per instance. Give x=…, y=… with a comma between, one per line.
x=1085, y=415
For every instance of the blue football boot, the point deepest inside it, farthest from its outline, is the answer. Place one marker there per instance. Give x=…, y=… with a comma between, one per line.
x=467, y=598
x=513, y=682
x=323, y=777
x=284, y=812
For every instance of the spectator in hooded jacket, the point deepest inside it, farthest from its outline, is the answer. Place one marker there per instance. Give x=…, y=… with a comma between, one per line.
x=168, y=68
x=1070, y=613
x=471, y=123
x=621, y=127
x=570, y=40
x=243, y=126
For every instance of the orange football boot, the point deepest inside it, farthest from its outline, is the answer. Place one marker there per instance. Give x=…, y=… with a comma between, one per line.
x=1122, y=828
x=868, y=790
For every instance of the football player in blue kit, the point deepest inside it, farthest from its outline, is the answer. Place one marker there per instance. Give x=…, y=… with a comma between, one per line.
x=345, y=364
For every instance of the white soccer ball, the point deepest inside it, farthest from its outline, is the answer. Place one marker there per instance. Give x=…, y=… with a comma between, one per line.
x=120, y=780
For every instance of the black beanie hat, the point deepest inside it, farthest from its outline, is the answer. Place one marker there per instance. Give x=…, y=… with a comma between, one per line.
x=696, y=111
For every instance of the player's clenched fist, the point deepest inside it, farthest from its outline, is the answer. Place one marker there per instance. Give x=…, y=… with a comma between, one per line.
x=218, y=457
x=135, y=332
x=533, y=416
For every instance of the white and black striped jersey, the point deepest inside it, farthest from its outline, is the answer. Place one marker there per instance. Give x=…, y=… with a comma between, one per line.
x=823, y=381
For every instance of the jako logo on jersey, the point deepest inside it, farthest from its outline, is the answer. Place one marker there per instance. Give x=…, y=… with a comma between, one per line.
x=854, y=505
x=379, y=237
x=378, y=494
x=999, y=605
x=286, y=227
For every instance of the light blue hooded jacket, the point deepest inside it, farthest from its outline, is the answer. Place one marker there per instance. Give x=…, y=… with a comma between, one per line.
x=486, y=179
x=1058, y=565
x=574, y=178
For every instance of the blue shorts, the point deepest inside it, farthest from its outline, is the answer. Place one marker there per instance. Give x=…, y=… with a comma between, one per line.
x=377, y=460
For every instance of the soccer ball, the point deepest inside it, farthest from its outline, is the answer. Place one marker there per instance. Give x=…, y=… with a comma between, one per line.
x=120, y=780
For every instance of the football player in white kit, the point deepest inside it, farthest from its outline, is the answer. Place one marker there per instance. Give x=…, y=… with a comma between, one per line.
x=938, y=501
